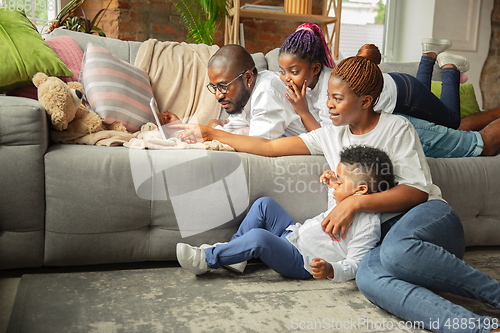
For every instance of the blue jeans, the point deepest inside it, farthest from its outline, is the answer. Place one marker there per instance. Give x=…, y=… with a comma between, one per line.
x=416, y=99
x=443, y=142
x=262, y=234
x=422, y=251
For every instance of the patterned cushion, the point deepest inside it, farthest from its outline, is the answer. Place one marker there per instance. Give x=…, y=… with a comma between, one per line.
x=115, y=89
x=70, y=53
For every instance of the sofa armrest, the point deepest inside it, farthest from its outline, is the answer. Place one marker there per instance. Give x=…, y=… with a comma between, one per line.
x=23, y=143
x=23, y=122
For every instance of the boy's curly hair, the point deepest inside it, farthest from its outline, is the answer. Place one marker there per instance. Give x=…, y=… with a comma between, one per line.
x=370, y=166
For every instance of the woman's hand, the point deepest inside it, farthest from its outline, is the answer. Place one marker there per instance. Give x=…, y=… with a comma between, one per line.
x=340, y=218
x=217, y=122
x=297, y=96
x=321, y=269
x=328, y=178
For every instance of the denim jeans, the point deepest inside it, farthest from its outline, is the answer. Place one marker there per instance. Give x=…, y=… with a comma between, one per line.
x=443, y=142
x=262, y=234
x=416, y=99
x=422, y=251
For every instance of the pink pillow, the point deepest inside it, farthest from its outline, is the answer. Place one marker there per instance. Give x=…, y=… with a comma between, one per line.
x=70, y=53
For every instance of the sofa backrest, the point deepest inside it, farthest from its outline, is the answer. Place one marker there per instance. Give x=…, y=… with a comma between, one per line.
x=125, y=50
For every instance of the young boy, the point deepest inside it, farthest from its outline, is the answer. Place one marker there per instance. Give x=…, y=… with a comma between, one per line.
x=305, y=251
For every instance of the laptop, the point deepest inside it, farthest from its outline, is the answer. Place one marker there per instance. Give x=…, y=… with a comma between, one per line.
x=156, y=114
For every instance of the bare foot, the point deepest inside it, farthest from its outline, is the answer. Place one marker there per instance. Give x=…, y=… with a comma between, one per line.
x=491, y=138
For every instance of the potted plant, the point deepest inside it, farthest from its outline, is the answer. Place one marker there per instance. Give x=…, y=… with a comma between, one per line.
x=67, y=19
x=202, y=18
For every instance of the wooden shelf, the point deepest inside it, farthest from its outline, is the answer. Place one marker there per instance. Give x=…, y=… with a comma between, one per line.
x=232, y=23
x=269, y=15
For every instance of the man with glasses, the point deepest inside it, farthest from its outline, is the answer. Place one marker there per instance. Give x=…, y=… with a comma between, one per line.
x=255, y=101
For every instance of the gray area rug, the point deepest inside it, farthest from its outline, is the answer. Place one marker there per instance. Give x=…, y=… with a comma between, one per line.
x=171, y=299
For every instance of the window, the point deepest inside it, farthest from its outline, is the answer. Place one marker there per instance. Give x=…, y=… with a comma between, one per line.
x=362, y=22
x=40, y=12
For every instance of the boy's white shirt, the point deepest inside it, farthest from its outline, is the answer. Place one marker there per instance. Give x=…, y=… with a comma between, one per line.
x=344, y=255
x=268, y=113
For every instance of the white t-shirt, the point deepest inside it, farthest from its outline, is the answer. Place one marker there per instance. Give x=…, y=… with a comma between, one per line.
x=344, y=255
x=268, y=113
x=317, y=97
x=393, y=134
x=388, y=97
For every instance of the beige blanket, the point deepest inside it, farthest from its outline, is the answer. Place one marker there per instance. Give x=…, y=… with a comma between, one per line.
x=147, y=138
x=178, y=75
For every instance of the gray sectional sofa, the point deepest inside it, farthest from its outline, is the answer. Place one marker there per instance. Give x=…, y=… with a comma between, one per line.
x=64, y=204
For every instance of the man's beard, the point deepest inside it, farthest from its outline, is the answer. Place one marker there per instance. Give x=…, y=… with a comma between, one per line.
x=239, y=105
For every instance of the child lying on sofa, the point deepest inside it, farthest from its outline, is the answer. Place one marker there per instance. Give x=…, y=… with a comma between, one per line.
x=304, y=251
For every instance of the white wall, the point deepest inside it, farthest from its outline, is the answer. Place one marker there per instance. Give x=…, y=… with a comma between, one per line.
x=452, y=19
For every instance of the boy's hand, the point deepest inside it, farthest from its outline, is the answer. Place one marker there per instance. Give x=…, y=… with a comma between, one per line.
x=328, y=178
x=321, y=269
x=217, y=122
x=297, y=96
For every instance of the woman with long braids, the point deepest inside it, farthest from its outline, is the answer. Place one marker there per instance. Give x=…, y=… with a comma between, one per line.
x=422, y=237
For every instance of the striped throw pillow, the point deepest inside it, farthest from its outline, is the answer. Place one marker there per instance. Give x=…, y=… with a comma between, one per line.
x=115, y=89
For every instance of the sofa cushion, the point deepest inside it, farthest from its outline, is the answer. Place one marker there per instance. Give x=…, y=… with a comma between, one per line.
x=24, y=52
x=70, y=53
x=260, y=61
x=125, y=50
x=115, y=89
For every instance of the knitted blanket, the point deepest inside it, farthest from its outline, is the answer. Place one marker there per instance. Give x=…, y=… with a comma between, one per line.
x=178, y=75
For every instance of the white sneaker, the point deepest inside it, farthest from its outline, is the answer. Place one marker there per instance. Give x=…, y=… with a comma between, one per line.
x=192, y=258
x=460, y=62
x=435, y=45
x=238, y=267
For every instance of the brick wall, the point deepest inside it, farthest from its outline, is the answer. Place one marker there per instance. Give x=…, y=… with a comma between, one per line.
x=140, y=20
x=490, y=76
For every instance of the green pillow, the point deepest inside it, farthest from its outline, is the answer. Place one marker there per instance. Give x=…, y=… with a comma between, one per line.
x=468, y=102
x=24, y=52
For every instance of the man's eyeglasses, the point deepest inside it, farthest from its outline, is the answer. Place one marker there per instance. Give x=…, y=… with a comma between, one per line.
x=222, y=87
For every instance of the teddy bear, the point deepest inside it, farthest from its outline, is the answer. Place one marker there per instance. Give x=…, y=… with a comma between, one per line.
x=63, y=102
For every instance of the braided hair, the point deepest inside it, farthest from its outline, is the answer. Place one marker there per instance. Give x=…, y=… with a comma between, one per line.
x=362, y=73
x=308, y=44
x=370, y=166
